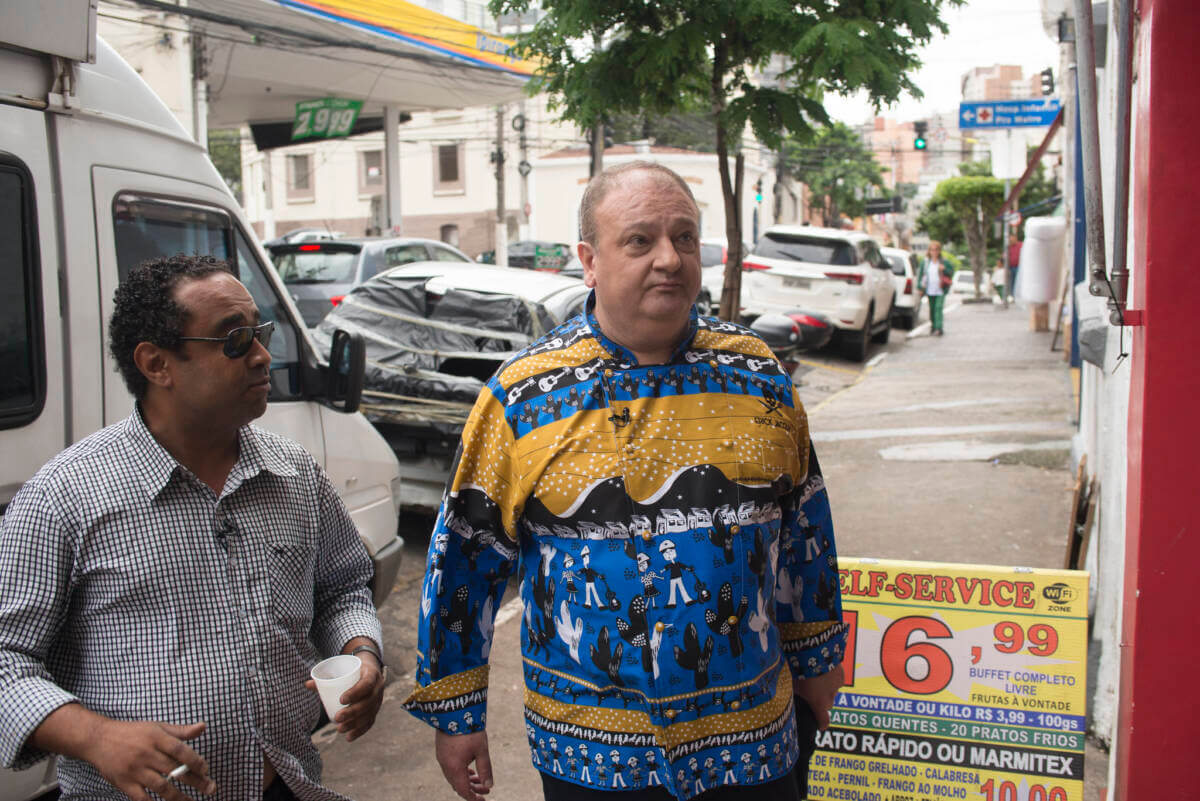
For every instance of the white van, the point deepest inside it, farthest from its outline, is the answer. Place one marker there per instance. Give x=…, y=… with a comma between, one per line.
x=96, y=175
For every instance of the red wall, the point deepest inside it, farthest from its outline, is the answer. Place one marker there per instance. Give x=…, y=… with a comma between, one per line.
x=1158, y=736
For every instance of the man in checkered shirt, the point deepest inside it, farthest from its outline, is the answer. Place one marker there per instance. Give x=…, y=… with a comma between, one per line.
x=167, y=583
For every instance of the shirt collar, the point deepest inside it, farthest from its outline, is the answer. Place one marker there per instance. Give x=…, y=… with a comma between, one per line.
x=626, y=356
x=158, y=466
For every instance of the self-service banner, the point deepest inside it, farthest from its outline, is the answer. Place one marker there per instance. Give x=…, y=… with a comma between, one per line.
x=962, y=682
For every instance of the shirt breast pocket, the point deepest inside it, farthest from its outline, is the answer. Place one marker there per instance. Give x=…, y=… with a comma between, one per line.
x=291, y=579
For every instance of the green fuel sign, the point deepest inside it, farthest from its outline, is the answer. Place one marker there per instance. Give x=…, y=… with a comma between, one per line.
x=327, y=118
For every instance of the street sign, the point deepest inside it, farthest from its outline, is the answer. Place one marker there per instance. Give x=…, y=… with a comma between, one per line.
x=325, y=118
x=1008, y=113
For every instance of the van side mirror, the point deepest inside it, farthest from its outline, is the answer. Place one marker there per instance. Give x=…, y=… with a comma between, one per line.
x=347, y=365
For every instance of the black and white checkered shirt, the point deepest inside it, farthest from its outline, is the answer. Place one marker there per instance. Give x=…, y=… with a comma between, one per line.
x=126, y=584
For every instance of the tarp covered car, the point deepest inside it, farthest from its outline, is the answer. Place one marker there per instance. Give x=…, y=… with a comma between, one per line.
x=435, y=332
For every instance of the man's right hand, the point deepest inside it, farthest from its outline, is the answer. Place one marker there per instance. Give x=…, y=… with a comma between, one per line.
x=455, y=753
x=132, y=756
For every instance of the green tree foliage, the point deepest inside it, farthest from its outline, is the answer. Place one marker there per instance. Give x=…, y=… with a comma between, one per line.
x=975, y=200
x=706, y=54
x=836, y=167
x=692, y=130
x=225, y=150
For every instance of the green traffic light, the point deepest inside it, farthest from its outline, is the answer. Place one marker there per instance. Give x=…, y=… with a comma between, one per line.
x=919, y=143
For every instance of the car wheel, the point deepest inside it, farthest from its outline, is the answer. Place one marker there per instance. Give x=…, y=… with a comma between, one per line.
x=858, y=343
x=882, y=337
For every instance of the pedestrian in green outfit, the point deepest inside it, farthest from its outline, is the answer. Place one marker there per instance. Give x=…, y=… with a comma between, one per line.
x=933, y=281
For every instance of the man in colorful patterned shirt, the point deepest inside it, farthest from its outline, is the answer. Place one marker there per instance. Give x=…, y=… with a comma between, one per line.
x=639, y=437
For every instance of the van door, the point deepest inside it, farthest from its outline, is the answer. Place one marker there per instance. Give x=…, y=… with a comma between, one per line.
x=33, y=427
x=141, y=216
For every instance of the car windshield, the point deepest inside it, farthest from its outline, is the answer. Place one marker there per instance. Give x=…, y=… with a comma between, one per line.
x=896, y=263
x=316, y=266
x=805, y=248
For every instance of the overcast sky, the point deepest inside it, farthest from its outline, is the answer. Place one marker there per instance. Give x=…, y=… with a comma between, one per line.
x=982, y=33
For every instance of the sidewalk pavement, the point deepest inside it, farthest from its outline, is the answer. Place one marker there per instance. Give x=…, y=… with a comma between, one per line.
x=946, y=449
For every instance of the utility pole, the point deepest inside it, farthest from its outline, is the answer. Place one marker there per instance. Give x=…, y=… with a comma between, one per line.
x=199, y=90
x=498, y=160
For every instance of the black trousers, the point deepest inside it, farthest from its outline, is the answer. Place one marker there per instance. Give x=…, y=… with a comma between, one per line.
x=793, y=787
x=278, y=791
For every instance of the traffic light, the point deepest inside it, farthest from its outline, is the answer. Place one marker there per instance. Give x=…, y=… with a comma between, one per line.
x=919, y=128
x=1047, y=82
x=758, y=191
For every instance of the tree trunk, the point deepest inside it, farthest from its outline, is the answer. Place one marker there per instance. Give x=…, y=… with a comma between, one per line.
x=731, y=190
x=977, y=247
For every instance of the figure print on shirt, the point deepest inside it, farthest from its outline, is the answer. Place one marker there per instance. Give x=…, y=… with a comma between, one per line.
x=541, y=631
x=722, y=536
x=635, y=630
x=459, y=617
x=694, y=658
x=606, y=658
x=726, y=620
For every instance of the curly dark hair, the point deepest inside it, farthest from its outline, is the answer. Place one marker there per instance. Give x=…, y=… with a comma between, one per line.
x=145, y=310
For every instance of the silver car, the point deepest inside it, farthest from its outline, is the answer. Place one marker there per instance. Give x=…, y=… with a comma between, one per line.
x=319, y=274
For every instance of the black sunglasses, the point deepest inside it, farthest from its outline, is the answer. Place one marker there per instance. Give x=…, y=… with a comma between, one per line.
x=239, y=341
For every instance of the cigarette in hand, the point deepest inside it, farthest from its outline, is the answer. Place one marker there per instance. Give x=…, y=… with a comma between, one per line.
x=179, y=771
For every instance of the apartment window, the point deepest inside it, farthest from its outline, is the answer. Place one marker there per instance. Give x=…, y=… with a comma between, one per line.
x=448, y=176
x=370, y=172
x=300, y=179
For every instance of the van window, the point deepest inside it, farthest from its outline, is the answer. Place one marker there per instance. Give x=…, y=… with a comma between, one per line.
x=22, y=353
x=154, y=227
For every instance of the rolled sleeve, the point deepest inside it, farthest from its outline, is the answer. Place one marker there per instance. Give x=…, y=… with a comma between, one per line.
x=35, y=568
x=342, y=596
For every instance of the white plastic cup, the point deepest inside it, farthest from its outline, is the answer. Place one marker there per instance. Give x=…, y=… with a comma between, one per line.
x=333, y=677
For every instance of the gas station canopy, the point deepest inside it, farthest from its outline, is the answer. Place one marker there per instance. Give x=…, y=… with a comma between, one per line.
x=264, y=56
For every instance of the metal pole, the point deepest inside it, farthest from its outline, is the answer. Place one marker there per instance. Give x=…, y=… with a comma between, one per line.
x=501, y=224
x=1093, y=201
x=391, y=169
x=1120, y=271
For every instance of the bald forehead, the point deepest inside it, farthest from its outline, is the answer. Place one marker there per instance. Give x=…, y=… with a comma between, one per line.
x=646, y=190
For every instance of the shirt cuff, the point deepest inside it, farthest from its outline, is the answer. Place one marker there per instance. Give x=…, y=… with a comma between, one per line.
x=24, y=704
x=455, y=704
x=813, y=649
x=331, y=635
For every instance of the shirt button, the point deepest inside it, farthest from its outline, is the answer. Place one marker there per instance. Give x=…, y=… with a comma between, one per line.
x=671, y=713
x=735, y=528
x=660, y=626
x=733, y=621
x=735, y=705
x=608, y=373
x=646, y=535
x=712, y=363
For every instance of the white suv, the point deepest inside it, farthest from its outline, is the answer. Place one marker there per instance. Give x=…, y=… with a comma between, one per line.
x=840, y=274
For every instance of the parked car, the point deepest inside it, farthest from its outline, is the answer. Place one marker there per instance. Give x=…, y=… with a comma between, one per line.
x=533, y=255
x=904, y=269
x=435, y=333
x=297, y=235
x=713, y=256
x=834, y=272
x=963, y=283
x=788, y=335
x=319, y=274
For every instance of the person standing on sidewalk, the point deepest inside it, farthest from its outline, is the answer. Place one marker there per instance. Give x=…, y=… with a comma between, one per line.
x=1014, y=261
x=933, y=281
x=709, y=464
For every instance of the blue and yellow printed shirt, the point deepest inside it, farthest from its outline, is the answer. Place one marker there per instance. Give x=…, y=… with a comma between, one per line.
x=672, y=538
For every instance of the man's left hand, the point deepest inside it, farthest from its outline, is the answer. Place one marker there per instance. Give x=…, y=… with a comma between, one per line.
x=819, y=692
x=362, y=700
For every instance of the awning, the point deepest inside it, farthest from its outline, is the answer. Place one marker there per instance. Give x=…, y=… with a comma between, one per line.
x=264, y=56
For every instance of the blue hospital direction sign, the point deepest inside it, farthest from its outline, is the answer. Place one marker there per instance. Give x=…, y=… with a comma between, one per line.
x=1008, y=113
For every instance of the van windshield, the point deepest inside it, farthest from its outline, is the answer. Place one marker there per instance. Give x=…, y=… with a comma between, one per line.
x=316, y=266
x=805, y=248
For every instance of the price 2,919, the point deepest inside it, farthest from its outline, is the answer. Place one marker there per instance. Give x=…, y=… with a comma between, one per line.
x=898, y=652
